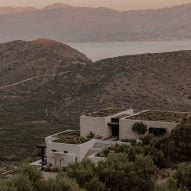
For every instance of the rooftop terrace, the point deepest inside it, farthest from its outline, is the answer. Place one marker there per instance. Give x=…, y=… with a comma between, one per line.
x=160, y=116
x=106, y=112
x=70, y=137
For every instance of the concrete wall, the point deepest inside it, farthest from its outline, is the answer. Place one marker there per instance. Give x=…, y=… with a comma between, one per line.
x=75, y=152
x=125, y=127
x=85, y=147
x=98, y=125
x=50, y=138
x=60, y=159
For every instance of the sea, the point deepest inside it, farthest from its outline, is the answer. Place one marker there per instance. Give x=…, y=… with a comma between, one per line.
x=97, y=51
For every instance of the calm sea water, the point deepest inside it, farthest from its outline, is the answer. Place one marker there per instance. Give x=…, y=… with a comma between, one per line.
x=96, y=51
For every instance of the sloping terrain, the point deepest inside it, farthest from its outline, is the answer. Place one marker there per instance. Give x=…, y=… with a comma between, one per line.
x=45, y=86
x=79, y=24
x=26, y=68
x=43, y=58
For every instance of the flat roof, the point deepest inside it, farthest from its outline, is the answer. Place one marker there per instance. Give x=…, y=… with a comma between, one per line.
x=106, y=112
x=168, y=116
x=70, y=137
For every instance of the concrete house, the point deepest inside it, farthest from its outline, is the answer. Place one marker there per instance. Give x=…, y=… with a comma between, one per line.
x=115, y=123
x=102, y=129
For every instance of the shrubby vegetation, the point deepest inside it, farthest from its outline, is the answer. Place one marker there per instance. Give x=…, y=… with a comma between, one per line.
x=181, y=181
x=30, y=179
x=175, y=147
x=183, y=176
x=133, y=168
x=170, y=185
x=115, y=174
x=140, y=128
x=181, y=141
x=20, y=132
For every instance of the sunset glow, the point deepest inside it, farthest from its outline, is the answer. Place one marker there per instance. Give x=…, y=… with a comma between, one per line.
x=114, y=4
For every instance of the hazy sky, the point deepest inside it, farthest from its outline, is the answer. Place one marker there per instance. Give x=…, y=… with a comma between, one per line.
x=114, y=4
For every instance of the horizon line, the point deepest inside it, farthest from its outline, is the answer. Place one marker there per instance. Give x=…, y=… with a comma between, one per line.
x=44, y=7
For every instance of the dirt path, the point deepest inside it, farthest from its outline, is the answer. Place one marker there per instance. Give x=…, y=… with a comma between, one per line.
x=30, y=79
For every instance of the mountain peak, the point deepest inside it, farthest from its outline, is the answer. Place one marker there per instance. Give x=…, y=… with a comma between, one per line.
x=58, y=6
x=45, y=42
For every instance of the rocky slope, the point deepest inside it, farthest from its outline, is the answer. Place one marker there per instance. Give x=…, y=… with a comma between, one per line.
x=45, y=86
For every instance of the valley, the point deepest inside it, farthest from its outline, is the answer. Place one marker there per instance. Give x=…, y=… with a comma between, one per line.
x=46, y=86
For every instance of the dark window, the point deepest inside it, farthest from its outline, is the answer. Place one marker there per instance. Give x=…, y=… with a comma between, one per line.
x=116, y=120
x=115, y=131
x=157, y=131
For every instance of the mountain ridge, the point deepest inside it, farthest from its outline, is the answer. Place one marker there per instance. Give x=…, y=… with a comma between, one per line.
x=65, y=5
x=84, y=24
x=16, y=10
x=58, y=6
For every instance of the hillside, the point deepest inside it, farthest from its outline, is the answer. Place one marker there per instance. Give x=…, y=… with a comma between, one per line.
x=17, y=10
x=45, y=86
x=42, y=58
x=82, y=24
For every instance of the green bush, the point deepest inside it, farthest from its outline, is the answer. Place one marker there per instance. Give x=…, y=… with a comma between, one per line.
x=117, y=173
x=147, y=139
x=25, y=181
x=170, y=185
x=3, y=186
x=7, y=185
x=32, y=173
x=181, y=141
x=82, y=172
x=95, y=185
x=140, y=128
x=22, y=183
x=183, y=176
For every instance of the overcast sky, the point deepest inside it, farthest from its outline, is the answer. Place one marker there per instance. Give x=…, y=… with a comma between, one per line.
x=114, y=4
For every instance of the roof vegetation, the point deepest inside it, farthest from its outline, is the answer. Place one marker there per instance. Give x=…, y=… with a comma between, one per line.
x=167, y=116
x=106, y=112
x=71, y=137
